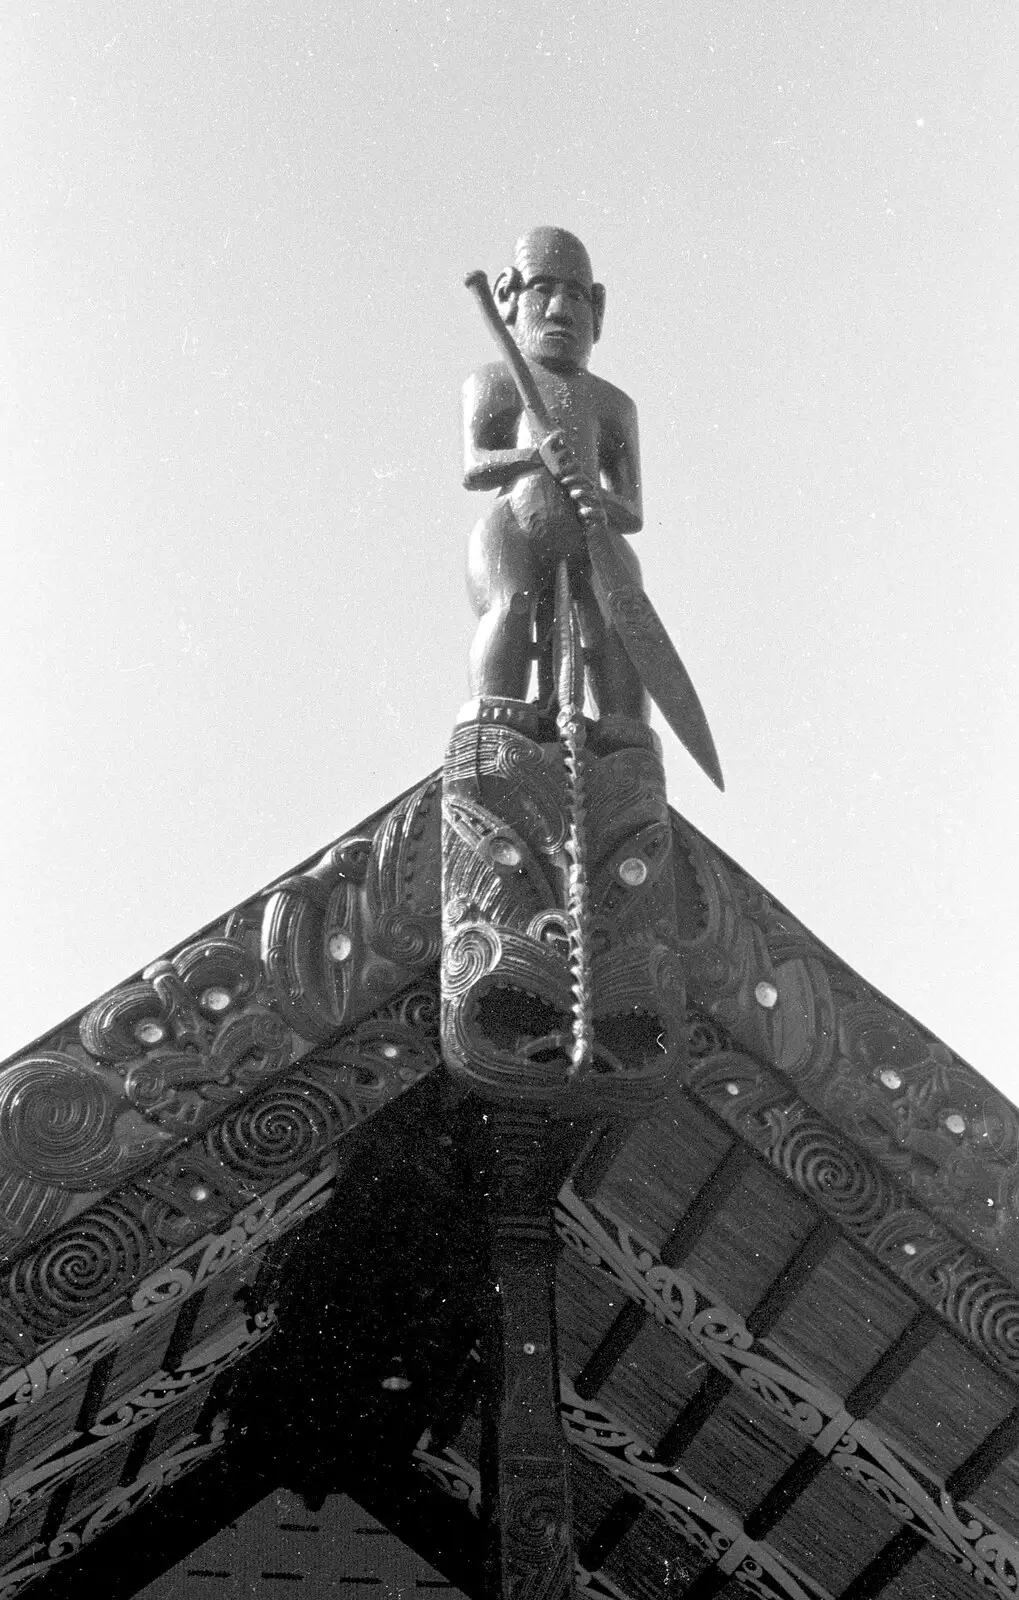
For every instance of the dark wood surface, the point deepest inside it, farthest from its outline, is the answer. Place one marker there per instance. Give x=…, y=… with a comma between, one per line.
x=784, y=1134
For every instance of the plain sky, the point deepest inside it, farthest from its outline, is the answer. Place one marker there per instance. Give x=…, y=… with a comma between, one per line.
x=234, y=622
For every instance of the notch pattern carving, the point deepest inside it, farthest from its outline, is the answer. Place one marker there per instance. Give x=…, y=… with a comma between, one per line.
x=341, y=936
x=93, y=1103
x=163, y=1292
x=856, y=1447
x=282, y=1131
x=459, y=1478
x=122, y=1417
x=157, y=1060
x=885, y=1082
x=184, y=1455
x=154, y=1062
x=701, y=1520
x=704, y=1522
x=872, y=1206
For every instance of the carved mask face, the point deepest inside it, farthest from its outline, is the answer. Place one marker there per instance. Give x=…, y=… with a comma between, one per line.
x=550, y=299
x=555, y=322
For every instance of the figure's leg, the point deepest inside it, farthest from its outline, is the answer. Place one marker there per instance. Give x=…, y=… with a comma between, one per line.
x=502, y=584
x=544, y=624
x=616, y=687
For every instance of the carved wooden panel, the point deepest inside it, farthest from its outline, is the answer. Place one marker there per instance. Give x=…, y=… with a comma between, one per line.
x=872, y=1204
x=361, y=922
x=862, y=1450
x=109, y=1508
x=883, y=1080
x=166, y=1257
x=160, y=1059
x=517, y=963
x=153, y=1148
x=459, y=1477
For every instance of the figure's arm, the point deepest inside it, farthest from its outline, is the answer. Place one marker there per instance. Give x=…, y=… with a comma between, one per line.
x=619, y=463
x=492, y=412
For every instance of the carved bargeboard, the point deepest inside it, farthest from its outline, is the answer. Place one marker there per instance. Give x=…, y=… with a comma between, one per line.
x=506, y=980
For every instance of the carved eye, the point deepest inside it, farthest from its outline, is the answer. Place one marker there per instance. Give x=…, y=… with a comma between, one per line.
x=505, y=853
x=216, y=998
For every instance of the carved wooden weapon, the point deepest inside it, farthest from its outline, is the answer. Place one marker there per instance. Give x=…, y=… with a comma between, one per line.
x=623, y=603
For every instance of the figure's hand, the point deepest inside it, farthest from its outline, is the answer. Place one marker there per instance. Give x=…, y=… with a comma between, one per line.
x=564, y=466
x=586, y=500
x=557, y=455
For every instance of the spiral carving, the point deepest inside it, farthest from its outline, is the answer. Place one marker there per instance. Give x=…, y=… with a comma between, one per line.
x=81, y=1267
x=631, y=609
x=822, y=1165
x=469, y=955
x=58, y=1123
x=351, y=857
x=179, y=1088
x=418, y=1009
x=146, y=1084
x=219, y=961
x=408, y=938
x=706, y=1038
x=989, y=1312
x=491, y=748
x=515, y=755
x=534, y=1526
x=276, y=1132
x=108, y=1028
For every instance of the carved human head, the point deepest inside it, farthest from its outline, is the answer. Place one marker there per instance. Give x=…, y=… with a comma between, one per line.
x=550, y=300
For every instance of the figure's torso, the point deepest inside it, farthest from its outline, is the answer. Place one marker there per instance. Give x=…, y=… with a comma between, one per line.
x=600, y=425
x=572, y=399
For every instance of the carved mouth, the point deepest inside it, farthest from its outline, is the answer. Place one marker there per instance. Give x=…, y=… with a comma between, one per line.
x=520, y=1023
x=526, y=1026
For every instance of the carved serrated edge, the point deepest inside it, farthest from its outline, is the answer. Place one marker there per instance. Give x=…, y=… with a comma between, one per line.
x=916, y=1496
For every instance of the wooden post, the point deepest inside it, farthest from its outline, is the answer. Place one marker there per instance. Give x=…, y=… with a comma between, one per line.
x=562, y=1005
x=525, y=1477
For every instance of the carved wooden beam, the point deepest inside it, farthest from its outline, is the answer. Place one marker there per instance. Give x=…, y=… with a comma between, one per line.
x=528, y=1505
x=834, y=1428
x=558, y=1008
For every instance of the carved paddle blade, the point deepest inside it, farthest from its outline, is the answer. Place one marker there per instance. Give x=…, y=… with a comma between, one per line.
x=653, y=654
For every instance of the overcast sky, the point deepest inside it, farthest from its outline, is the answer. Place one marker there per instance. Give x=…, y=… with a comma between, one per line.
x=234, y=619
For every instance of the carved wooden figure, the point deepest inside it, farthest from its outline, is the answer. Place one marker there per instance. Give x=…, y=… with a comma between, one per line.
x=512, y=989
x=562, y=992
x=508, y=993
x=564, y=528
x=555, y=309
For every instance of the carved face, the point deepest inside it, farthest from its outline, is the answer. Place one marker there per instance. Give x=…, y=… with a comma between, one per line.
x=555, y=323
x=508, y=989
